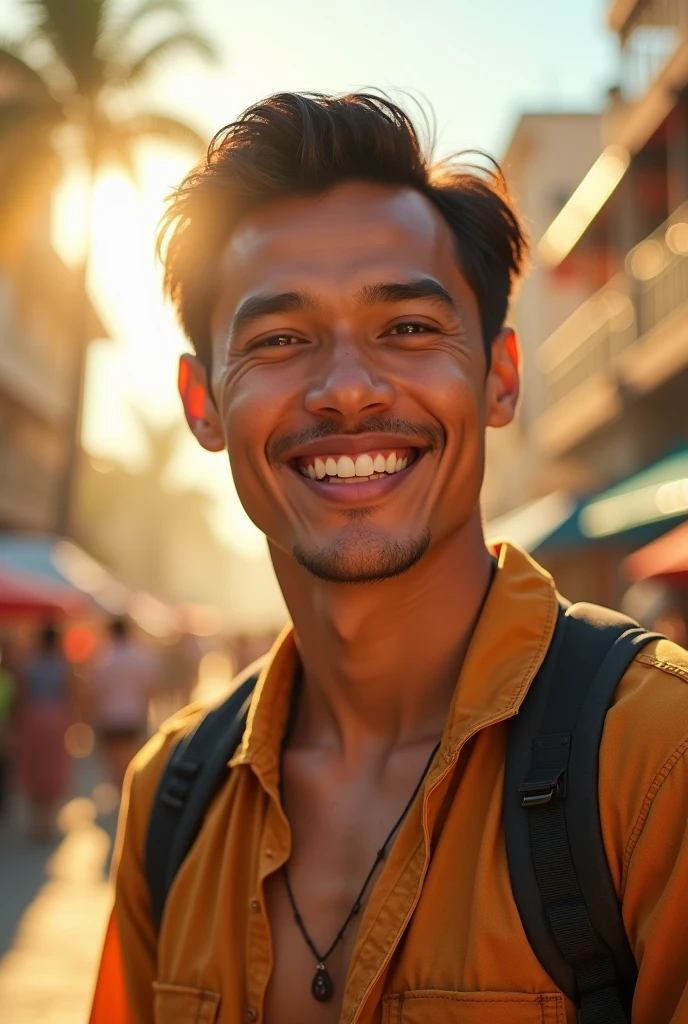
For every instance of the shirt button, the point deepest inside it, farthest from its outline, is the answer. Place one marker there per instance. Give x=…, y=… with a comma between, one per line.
x=269, y=853
x=255, y=905
x=250, y=1014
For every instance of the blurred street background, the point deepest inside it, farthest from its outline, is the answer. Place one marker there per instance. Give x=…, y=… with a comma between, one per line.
x=131, y=580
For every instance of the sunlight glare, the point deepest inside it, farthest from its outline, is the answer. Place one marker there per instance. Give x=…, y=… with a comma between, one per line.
x=133, y=376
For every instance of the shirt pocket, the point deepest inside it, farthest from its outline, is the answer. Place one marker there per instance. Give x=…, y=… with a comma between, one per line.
x=182, y=1004
x=434, y=1006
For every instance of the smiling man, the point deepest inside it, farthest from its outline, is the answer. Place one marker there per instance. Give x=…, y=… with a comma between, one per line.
x=346, y=302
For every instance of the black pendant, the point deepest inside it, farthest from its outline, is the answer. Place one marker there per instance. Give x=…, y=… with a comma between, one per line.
x=322, y=987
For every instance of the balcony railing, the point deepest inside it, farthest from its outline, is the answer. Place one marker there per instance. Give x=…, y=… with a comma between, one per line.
x=650, y=36
x=653, y=288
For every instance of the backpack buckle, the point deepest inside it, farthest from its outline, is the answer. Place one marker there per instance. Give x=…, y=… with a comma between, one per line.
x=543, y=787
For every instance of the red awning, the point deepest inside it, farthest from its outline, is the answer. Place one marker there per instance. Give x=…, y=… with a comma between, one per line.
x=20, y=595
x=665, y=559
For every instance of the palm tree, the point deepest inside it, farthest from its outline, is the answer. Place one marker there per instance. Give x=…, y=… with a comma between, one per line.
x=64, y=88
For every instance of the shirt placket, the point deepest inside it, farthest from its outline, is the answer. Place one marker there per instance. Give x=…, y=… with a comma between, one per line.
x=273, y=853
x=399, y=904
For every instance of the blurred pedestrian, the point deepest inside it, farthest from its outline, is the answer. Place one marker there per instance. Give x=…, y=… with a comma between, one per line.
x=7, y=697
x=124, y=677
x=44, y=686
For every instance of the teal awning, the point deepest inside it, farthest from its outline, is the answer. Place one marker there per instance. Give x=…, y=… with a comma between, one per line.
x=638, y=509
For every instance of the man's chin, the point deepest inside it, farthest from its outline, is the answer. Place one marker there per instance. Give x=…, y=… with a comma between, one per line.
x=364, y=559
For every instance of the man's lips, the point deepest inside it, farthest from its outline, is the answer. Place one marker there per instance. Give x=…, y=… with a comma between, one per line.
x=356, y=444
x=358, y=490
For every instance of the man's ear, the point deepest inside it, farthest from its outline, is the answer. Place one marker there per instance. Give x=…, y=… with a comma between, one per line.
x=199, y=408
x=502, y=386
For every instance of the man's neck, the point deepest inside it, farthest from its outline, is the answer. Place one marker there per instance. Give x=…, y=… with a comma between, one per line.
x=381, y=661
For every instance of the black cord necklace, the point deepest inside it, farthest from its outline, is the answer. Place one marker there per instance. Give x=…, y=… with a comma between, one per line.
x=323, y=987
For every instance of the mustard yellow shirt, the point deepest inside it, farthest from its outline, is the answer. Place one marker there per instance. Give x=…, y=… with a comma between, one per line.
x=444, y=888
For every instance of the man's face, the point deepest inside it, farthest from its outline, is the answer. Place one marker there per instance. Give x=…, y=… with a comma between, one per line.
x=349, y=376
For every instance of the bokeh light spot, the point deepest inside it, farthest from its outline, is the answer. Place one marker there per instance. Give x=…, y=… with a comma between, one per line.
x=78, y=813
x=105, y=797
x=79, y=643
x=79, y=740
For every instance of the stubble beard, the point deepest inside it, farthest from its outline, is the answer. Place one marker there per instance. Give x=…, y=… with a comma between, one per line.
x=362, y=555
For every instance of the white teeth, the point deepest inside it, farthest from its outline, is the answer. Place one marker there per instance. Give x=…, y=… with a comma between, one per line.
x=345, y=469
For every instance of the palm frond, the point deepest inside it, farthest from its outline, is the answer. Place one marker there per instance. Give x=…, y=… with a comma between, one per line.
x=18, y=69
x=153, y=125
x=73, y=29
x=19, y=115
x=119, y=33
x=186, y=40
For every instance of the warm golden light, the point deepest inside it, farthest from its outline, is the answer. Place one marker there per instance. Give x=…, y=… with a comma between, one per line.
x=585, y=203
x=635, y=508
x=677, y=238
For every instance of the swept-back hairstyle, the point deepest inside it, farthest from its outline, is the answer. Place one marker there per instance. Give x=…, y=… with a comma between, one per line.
x=301, y=144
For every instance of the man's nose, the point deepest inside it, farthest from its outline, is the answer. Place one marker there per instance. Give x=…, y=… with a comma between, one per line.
x=348, y=387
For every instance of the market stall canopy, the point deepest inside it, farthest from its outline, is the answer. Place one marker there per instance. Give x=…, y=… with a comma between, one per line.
x=664, y=560
x=20, y=597
x=640, y=508
x=46, y=559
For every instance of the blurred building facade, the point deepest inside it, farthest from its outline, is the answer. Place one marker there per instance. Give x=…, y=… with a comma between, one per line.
x=615, y=372
x=160, y=540
x=39, y=307
x=606, y=384
x=546, y=158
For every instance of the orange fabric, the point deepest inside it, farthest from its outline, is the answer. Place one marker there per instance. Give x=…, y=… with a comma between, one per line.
x=110, y=1001
x=445, y=887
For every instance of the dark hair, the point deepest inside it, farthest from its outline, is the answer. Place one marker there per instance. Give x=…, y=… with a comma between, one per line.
x=300, y=144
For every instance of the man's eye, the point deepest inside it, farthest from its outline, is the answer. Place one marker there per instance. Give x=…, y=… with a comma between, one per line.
x=410, y=327
x=279, y=341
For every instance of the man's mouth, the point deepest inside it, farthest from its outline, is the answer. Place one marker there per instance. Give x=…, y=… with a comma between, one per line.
x=357, y=468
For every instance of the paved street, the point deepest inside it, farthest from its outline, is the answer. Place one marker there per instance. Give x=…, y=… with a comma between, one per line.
x=55, y=900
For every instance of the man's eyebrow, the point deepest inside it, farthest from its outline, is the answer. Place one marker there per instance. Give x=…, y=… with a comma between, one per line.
x=403, y=291
x=256, y=306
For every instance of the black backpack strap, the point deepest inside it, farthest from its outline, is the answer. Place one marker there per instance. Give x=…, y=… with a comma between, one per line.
x=559, y=871
x=192, y=776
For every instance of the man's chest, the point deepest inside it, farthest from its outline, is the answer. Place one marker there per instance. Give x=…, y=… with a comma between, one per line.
x=438, y=916
x=341, y=832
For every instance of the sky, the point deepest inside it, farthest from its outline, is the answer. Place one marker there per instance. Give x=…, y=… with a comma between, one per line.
x=477, y=65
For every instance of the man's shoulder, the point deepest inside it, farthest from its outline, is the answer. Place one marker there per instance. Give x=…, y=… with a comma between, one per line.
x=653, y=693
x=666, y=657
x=643, y=781
x=646, y=727
x=148, y=765
x=657, y=680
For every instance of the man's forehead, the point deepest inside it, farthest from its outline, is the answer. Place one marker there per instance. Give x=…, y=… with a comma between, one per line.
x=354, y=216
x=335, y=242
